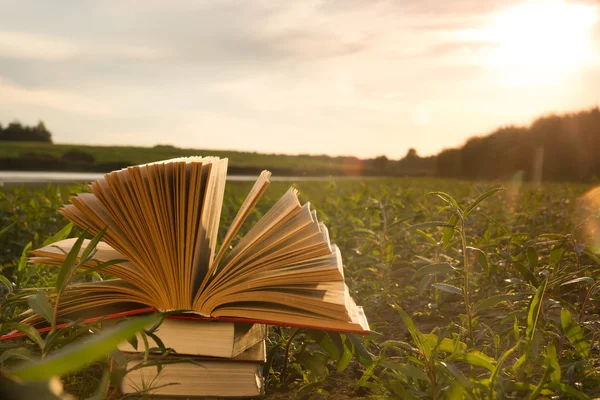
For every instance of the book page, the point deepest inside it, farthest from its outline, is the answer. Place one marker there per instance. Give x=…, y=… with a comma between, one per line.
x=209, y=225
x=260, y=186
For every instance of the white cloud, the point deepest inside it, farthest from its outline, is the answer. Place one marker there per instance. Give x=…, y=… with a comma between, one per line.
x=27, y=45
x=13, y=94
x=43, y=47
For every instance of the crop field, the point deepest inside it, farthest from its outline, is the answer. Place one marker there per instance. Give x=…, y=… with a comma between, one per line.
x=471, y=292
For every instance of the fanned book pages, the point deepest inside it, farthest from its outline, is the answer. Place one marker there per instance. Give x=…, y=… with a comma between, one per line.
x=163, y=219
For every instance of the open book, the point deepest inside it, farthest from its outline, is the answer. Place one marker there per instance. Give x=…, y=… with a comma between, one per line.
x=163, y=218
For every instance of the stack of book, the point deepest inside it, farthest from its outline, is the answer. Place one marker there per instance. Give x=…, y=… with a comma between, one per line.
x=221, y=359
x=162, y=221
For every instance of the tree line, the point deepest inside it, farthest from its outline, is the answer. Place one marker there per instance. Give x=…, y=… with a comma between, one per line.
x=17, y=132
x=553, y=148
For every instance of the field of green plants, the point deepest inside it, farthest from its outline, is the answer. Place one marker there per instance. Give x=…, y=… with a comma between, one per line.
x=472, y=292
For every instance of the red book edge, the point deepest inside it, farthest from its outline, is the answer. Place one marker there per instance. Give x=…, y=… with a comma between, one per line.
x=147, y=310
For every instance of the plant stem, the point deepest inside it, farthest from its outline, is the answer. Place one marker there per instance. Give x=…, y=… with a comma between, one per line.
x=287, y=353
x=466, y=290
x=587, y=297
x=55, y=313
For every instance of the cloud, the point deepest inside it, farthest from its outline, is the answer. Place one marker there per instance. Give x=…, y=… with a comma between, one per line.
x=250, y=74
x=28, y=45
x=45, y=47
x=12, y=94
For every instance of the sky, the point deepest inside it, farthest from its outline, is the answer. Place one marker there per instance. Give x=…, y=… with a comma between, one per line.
x=338, y=77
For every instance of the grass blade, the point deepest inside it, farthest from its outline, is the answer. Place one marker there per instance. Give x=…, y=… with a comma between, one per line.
x=481, y=198
x=74, y=357
x=534, y=311
x=92, y=245
x=60, y=235
x=491, y=301
x=445, y=287
x=574, y=334
x=67, y=266
x=40, y=304
x=432, y=269
x=28, y=330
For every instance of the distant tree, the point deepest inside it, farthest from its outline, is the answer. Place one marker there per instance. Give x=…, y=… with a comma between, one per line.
x=412, y=153
x=449, y=163
x=565, y=147
x=42, y=133
x=15, y=131
x=380, y=164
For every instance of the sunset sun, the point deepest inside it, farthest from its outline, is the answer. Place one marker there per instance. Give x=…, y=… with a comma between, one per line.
x=541, y=41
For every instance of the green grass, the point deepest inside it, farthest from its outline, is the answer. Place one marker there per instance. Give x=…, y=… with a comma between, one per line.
x=140, y=155
x=517, y=318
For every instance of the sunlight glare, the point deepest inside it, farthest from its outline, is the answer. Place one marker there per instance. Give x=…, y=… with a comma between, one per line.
x=542, y=41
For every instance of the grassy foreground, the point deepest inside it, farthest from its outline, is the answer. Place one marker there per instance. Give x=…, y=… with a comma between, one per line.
x=518, y=317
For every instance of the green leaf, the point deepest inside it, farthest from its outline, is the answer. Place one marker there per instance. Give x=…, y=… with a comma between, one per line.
x=360, y=352
x=450, y=346
x=532, y=257
x=566, y=389
x=4, y=280
x=447, y=198
x=28, y=330
x=534, y=395
x=416, y=335
x=315, y=362
x=448, y=232
x=432, y=269
x=527, y=274
x=409, y=371
x=498, y=368
x=338, y=343
x=20, y=352
x=481, y=198
x=91, y=246
x=585, y=279
x=534, y=311
x=430, y=224
x=457, y=374
x=60, y=235
x=477, y=359
x=67, y=267
x=445, y=287
x=491, y=301
x=23, y=259
x=556, y=254
x=552, y=360
x=40, y=304
x=344, y=361
x=7, y=228
x=481, y=258
x=78, y=355
x=574, y=334
x=92, y=270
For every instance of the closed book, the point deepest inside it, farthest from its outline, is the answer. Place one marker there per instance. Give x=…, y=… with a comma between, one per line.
x=200, y=377
x=203, y=338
